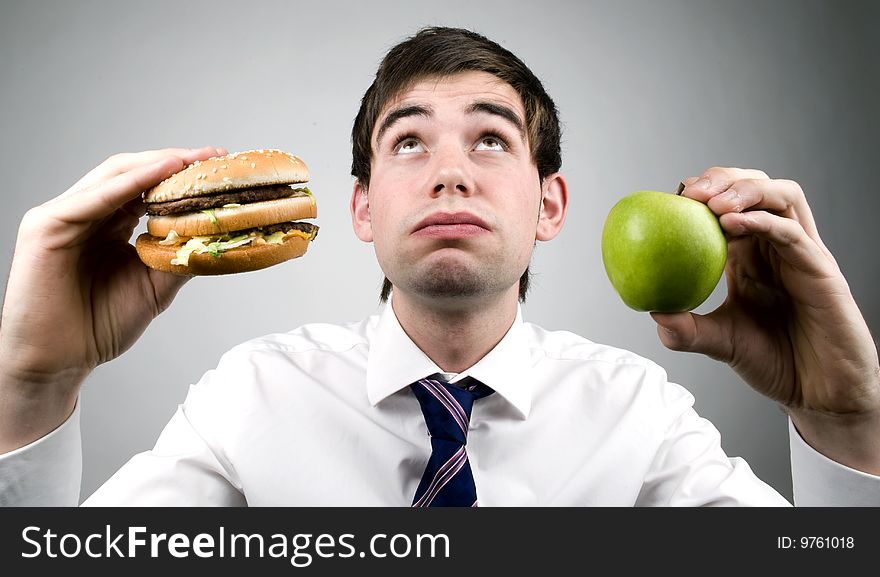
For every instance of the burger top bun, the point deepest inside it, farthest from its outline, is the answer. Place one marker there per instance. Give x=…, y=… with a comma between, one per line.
x=233, y=171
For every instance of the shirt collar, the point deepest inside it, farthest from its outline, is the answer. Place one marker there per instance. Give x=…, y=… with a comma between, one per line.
x=395, y=362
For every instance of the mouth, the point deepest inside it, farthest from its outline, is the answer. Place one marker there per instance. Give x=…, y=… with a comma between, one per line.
x=451, y=225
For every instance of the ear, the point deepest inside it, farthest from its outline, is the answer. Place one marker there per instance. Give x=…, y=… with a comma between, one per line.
x=360, y=213
x=554, y=205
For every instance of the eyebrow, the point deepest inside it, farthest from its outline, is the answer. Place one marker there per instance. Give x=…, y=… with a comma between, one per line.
x=504, y=112
x=401, y=113
x=492, y=108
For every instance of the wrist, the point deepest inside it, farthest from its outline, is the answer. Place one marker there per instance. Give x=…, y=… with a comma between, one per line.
x=851, y=439
x=33, y=403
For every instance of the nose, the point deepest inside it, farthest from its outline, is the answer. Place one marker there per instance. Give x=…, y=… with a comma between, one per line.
x=452, y=172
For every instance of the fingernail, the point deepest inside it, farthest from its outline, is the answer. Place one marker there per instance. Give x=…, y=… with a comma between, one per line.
x=666, y=330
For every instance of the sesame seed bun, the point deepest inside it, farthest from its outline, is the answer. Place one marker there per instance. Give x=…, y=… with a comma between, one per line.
x=231, y=172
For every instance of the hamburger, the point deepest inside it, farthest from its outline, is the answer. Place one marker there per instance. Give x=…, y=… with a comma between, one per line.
x=229, y=214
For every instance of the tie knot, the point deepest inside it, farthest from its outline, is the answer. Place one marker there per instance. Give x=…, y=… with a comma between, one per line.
x=447, y=407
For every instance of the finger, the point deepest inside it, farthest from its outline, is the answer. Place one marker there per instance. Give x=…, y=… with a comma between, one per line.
x=166, y=287
x=717, y=180
x=787, y=237
x=693, y=333
x=779, y=196
x=747, y=261
x=135, y=207
x=123, y=162
x=103, y=199
x=119, y=226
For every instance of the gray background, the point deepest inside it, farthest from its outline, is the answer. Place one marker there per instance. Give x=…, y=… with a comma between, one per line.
x=650, y=92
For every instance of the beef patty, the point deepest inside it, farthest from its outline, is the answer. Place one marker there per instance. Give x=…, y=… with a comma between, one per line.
x=243, y=196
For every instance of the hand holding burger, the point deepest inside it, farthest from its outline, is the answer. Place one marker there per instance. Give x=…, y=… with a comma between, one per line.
x=229, y=214
x=77, y=294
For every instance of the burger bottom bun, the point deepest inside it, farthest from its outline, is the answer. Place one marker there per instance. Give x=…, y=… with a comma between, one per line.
x=242, y=259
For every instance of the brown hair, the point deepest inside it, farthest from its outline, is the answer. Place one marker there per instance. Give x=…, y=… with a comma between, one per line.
x=439, y=52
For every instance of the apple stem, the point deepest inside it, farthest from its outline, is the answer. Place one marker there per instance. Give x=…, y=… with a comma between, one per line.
x=680, y=188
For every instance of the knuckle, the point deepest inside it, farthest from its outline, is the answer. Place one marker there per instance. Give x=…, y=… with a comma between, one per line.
x=748, y=186
x=34, y=220
x=791, y=232
x=715, y=171
x=34, y=214
x=797, y=192
x=117, y=159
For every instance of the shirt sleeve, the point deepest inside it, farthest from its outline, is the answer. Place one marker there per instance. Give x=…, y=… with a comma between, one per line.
x=47, y=472
x=180, y=471
x=691, y=469
x=817, y=481
x=187, y=467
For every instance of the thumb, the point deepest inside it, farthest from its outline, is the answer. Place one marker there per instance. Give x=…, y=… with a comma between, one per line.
x=165, y=288
x=693, y=333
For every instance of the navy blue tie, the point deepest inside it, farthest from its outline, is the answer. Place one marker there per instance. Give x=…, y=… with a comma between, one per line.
x=448, y=480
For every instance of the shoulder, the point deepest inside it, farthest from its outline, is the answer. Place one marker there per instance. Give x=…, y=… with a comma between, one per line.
x=609, y=369
x=307, y=338
x=561, y=345
x=260, y=374
x=310, y=353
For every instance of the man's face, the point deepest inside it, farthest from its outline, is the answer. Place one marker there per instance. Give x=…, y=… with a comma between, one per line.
x=454, y=199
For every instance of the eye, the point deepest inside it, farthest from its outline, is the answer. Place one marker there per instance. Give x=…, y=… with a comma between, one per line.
x=408, y=145
x=491, y=142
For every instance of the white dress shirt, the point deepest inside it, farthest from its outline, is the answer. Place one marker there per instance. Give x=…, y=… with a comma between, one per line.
x=323, y=415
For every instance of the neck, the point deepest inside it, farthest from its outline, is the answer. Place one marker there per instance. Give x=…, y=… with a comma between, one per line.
x=456, y=335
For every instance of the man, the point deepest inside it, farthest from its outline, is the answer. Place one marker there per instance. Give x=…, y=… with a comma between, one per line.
x=456, y=159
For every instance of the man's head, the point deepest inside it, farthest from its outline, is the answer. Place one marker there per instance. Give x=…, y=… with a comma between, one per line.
x=440, y=58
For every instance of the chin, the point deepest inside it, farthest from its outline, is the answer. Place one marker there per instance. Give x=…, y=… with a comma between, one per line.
x=453, y=279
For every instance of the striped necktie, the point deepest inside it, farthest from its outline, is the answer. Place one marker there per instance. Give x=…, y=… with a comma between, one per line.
x=448, y=480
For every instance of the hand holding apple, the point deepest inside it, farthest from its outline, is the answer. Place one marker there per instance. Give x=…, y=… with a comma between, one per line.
x=789, y=326
x=663, y=252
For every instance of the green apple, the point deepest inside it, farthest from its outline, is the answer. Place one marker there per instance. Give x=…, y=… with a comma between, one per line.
x=663, y=252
